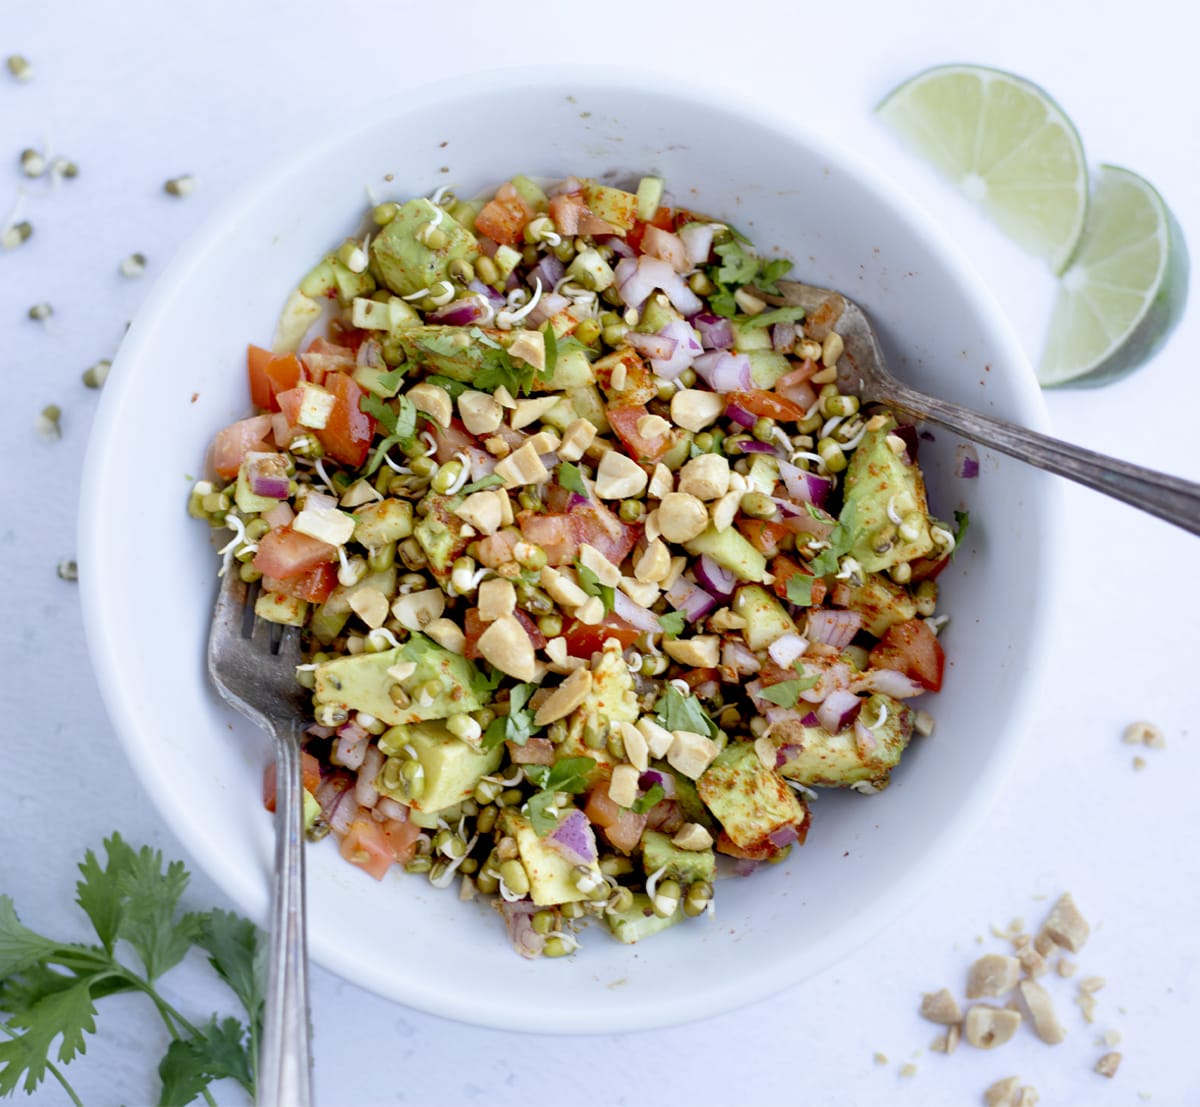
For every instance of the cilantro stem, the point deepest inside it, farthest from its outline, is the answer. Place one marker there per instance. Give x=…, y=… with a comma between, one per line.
x=51, y=1068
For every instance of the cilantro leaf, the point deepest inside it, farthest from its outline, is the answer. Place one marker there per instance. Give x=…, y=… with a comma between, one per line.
x=380, y=450
x=643, y=803
x=98, y=894
x=568, y=774
x=497, y=369
x=217, y=1050
x=767, y=318
x=148, y=920
x=826, y=562
x=380, y=410
x=738, y=265
x=551, y=344
x=20, y=947
x=672, y=623
x=518, y=725
x=406, y=419
x=69, y=1013
x=787, y=692
x=590, y=583
x=679, y=712
x=390, y=381
x=449, y=385
x=771, y=272
x=570, y=478
x=542, y=817
x=962, y=520
x=492, y=480
x=722, y=303
x=237, y=952
x=799, y=590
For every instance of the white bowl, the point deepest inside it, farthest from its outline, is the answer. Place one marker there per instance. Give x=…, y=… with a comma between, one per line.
x=149, y=573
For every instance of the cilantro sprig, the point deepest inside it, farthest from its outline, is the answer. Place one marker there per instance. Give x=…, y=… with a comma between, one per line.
x=49, y=989
x=787, y=692
x=518, y=725
x=740, y=266
x=672, y=623
x=590, y=583
x=568, y=774
x=679, y=712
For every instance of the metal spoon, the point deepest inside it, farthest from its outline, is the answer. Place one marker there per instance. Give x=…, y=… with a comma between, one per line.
x=861, y=371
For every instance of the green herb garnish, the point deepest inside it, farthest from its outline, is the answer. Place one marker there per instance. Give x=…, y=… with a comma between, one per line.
x=571, y=479
x=787, y=692
x=568, y=774
x=799, y=590
x=672, y=623
x=590, y=583
x=518, y=725
x=679, y=712
x=643, y=803
x=492, y=480
x=768, y=318
x=49, y=989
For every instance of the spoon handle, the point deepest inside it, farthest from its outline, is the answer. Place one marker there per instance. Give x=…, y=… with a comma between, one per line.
x=1170, y=498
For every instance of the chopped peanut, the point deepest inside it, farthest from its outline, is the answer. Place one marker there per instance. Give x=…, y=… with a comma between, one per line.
x=724, y=510
x=530, y=347
x=701, y=652
x=562, y=589
x=606, y=572
x=1065, y=925
x=1108, y=1064
x=623, y=787
x=654, y=563
x=987, y=1027
x=483, y=510
x=497, y=597
x=506, y=645
x=641, y=592
x=992, y=975
x=578, y=436
x=691, y=753
x=565, y=698
x=522, y=466
x=661, y=483
x=681, y=517
x=417, y=610
x=694, y=410
x=448, y=634
x=619, y=477
x=480, y=413
x=706, y=477
x=658, y=738
x=434, y=401
x=692, y=836
x=940, y=1007
x=370, y=605
x=636, y=747
x=1002, y=1093
x=1041, y=1012
x=530, y=411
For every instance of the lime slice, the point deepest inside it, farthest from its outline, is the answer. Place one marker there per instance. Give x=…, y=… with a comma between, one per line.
x=1126, y=286
x=1007, y=145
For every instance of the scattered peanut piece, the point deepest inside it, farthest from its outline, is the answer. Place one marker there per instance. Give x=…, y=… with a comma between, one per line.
x=989, y=1027
x=941, y=1007
x=1065, y=925
x=994, y=974
x=1026, y=1097
x=1066, y=968
x=880, y=1058
x=1145, y=734
x=1108, y=1064
x=1041, y=1012
x=908, y=1070
x=1002, y=1093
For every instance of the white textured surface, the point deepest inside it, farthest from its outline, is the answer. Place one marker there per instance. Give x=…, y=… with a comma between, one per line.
x=136, y=95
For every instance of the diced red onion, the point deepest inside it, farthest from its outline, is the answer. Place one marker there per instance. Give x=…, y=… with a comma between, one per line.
x=691, y=599
x=637, y=279
x=634, y=613
x=833, y=677
x=744, y=866
x=716, y=332
x=619, y=246
x=687, y=347
x=549, y=270
x=319, y=501
x=667, y=246
x=352, y=742
x=364, y=787
x=389, y=808
x=279, y=516
x=810, y=719
x=697, y=239
x=783, y=337
x=833, y=628
x=715, y=579
x=739, y=657
x=458, y=313
x=890, y=682
x=481, y=462
x=633, y=285
x=907, y=434
x=839, y=710
x=565, y=186
x=783, y=836
x=786, y=648
x=651, y=777
x=573, y=838
x=966, y=461
x=652, y=345
x=335, y=794
x=518, y=921
x=741, y=416
x=805, y=487
x=753, y=446
x=547, y=307
x=318, y=731
x=724, y=372
x=273, y=486
x=490, y=294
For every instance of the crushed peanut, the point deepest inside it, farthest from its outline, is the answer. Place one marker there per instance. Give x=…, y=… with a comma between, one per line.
x=941, y=1007
x=1108, y=1064
x=988, y=1027
x=1040, y=1008
x=1065, y=925
x=993, y=974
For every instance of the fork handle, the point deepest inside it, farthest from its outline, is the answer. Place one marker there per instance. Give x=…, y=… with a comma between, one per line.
x=1170, y=498
x=285, y=1060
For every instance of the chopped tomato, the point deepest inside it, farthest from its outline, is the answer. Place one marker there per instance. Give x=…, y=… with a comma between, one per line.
x=310, y=779
x=913, y=649
x=324, y=357
x=232, y=444
x=474, y=626
x=795, y=387
x=368, y=847
x=783, y=568
x=767, y=405
x=622, y=827
x=347, y=434
x=556, y=532
x=256, y=366
x=928, y=568
x=346, y=336
x=284, y=553
x=566, y=210
x=402, y=837
x=642, y=448
x=497, y=549
x=315, y=586
x=663, y=219
x=693, y=678
x=667, y=247
x=584, y=640
x=599, y=527
x=504, y=217
x=763, y=534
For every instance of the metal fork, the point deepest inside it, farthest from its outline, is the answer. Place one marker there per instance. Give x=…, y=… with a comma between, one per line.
x=253, y=665
x=862, y=370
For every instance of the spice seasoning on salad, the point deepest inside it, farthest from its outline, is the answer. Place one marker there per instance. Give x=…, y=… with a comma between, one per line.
x=600, y=573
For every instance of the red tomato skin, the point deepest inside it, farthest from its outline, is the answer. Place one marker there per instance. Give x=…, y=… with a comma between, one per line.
x=767, y=405
x=256, y=369
x=644, y=450
x=310, y=779
x=584, y=640
x=348, y=433
x=315, y=585
x=913, y=649
x=238, y=439
x=368, y=847
x=284, y=553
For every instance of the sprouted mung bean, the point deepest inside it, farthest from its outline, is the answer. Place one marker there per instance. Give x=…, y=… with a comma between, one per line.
x=600, y=573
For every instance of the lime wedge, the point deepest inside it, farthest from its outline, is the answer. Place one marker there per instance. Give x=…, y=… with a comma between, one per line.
x=1126, y=286
x=1006, y=144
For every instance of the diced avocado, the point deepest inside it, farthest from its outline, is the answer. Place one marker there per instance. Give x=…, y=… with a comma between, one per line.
x=766, y=619
x=685, y=865
x=531, y=192
x=823, y=760
x=552, y=877
x=383, y=522
x=439, y=534
x=350, y=284
x=289, y=611
x=572, y=369
x=749, y=800
x=639, y=920
x=452, y=768
x=338, y=603
x=319, y=281
x=610, y=700
x=326, y=625
x=615, y=206
x=747, y=338
x=361, y=682
x=450, y=350
x=405, y=263
x=881, y=603
x=878, y=478
x=589, y=269
x=763, y=475
x=312, y=809
x=731, y=551
x=590, y=406
x=688, y=798
x=656, y=315
x=464, y=211
x=766, y=366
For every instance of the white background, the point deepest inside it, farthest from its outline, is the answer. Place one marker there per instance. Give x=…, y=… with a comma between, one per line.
x=139, y=92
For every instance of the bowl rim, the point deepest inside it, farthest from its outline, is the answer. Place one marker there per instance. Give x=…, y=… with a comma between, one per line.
x=105, y=650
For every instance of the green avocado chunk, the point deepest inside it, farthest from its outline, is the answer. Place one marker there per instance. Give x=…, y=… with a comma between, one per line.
x=553, y=878
x=452, y=351
x=362, y=682
x=685, y=865
x=405, y=263
x=451, y=767
x=639, y=920
x=749, y=800
x=880, y=484
x=819, y=759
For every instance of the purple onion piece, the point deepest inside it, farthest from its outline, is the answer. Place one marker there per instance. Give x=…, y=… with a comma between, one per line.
x=966, y=461
x=573, y=838
x=715, y=579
